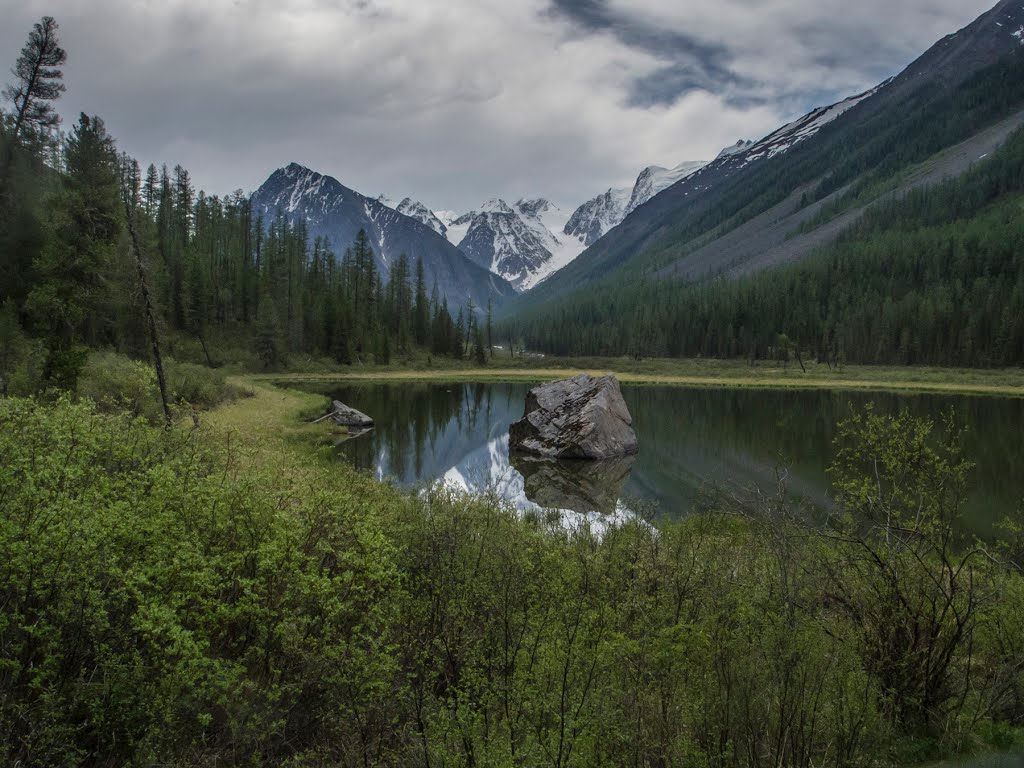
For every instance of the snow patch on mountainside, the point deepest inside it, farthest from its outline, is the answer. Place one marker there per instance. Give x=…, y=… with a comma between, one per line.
x=655, y=179
x=300, y=189
x=735, y=149
x=591, y=220
x=595, y=217
x=546, y=219
x=804, y=127
x=517, y=242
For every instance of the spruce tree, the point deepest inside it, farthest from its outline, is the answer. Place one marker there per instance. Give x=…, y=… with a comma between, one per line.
x=37, y=85
x=68, y=303
x=421, y=308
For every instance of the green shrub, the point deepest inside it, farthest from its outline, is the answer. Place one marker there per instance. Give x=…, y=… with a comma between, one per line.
x=117, y=383
x=198, y=385
x=164, y=600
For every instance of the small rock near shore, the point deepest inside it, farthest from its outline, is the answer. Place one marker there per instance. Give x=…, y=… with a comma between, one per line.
x=346, y=416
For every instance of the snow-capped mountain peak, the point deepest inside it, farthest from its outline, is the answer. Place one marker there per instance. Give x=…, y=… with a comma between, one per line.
x=591, y=220
x=655, y=179
x=735, y=149
x=595, y=217
x=496, y=205
x=515, y=241
x=414, y=209
x=534, y=207
x=337, y=214
x=299, y=187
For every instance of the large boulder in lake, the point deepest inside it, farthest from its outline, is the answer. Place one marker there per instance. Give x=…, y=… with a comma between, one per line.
x=583, y=417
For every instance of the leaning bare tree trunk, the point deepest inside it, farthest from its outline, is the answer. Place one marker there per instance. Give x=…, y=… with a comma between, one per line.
x=206, y=352
x=150, y=319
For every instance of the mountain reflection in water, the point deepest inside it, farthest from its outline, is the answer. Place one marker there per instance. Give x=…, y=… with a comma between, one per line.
x=691, y=440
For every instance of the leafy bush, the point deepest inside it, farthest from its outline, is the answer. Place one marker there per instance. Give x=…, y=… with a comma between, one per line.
x=166, y=598
x=117, y=383
x=199, y=386
x=166, y=601
x=21, y=359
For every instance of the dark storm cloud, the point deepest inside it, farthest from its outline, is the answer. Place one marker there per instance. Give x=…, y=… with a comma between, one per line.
x=690, y=63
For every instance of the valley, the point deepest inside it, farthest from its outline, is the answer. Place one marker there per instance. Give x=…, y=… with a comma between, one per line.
x=815, y=558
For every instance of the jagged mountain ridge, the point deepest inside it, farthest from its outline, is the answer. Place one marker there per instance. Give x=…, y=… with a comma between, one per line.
x=526, y=242
x=525, y=247
x=333, y=211
x=516, y=241
x=414, y=209
x=591, y=220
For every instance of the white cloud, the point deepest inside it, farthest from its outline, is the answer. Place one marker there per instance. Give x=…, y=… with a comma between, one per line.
x=454, y=101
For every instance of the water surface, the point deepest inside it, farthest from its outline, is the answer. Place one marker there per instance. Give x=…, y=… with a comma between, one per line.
x=691, y=440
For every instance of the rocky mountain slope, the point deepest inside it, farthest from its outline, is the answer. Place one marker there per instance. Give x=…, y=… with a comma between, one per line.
x=517, y=242
x=333, y=211
x=595, y=217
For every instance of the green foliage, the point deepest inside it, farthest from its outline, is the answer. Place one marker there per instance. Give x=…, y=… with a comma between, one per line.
x=37, y=83
x=164, y=600
x=168, y=599
x=267, y=341
x=21, y=358
x=912, y=589
x=228, y=286
x=117, y=383
x=71, y=292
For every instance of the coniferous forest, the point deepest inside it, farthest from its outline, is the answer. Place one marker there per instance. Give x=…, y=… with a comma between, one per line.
x=72, y=206
x=933, y=278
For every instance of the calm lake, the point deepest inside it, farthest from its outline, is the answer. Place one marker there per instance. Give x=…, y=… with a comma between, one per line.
x=691, y=441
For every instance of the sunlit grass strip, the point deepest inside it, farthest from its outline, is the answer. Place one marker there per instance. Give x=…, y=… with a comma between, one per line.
x=1003, y=383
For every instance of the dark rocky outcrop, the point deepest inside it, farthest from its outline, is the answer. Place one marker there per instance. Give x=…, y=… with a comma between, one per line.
x=583, y=417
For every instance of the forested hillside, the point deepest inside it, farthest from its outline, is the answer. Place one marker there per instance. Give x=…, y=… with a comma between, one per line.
x=74, y=277
x=648, y=287
x=934, y=278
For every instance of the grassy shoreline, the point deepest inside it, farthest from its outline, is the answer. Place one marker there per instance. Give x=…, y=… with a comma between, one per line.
x=688, y=373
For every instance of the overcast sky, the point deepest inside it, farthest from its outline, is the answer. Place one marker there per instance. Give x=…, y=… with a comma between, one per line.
x=457, y=101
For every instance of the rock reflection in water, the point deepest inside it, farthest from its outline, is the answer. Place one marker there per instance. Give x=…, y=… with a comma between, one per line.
x=693, y=440
x=580, y=486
